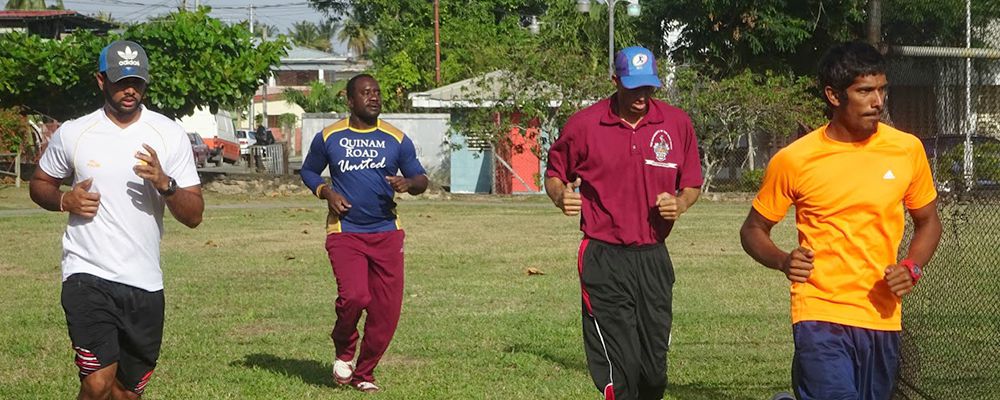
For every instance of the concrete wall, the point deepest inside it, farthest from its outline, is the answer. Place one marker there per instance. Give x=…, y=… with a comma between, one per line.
x=471, y=169
x=429, y=133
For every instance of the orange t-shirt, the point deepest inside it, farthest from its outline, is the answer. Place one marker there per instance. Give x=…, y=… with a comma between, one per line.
x=849, y=200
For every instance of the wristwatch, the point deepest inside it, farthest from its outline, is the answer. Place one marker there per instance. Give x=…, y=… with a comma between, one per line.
x=171, y=188
x=915, y=271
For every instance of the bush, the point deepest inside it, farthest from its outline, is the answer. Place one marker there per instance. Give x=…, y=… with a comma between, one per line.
x=986, y=161
x=13, y=130
x=751, y=179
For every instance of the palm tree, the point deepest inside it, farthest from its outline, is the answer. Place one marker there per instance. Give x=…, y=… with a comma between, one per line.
x=264, y=30
x=359, y=38
x=25, y=5
x=261, y=30
x=307, y=34
x=105, y=16
x=320, y=98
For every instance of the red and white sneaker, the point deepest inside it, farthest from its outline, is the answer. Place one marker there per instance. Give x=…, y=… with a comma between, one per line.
x=342, y=371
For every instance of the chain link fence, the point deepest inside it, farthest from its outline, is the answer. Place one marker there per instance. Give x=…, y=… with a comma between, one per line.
x=951, y=322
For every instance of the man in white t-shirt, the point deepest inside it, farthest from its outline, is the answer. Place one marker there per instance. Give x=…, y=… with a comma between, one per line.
x=126, y=162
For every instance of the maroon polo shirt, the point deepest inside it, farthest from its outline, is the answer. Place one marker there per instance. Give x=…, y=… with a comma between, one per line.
x=624, y=168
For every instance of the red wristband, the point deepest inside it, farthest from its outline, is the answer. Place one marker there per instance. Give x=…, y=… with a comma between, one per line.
x=915, y=271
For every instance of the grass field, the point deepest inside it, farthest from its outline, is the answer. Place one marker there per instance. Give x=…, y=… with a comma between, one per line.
x=249, y=305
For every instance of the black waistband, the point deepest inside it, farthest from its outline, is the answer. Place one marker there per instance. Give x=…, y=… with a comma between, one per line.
x=634, y=247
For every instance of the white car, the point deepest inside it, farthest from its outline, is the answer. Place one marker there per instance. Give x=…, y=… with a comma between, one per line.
x=246, y=139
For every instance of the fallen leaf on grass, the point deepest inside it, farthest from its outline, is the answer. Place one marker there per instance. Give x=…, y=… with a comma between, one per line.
x=533, y=271
x=305, y=231
x=289, y=258
x=211, y=244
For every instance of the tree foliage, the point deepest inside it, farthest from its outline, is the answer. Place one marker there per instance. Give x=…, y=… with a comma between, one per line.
x=195, y=61
x=359, y=37
x=13, y=130
x=545, y=79
x=51, y=77
x=729, y=113
x=26, y=4
x=742, y=63
x=474, y=35
x=725, y=37
x=397, y=77
x=264, y=31
x=319, y=98
x=311, y=35
x=287, y=123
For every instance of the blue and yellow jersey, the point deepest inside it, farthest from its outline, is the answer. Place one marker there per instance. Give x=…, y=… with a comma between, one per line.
x=359, y=162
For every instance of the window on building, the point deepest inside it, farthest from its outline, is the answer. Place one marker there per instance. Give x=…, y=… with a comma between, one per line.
x=295, y=78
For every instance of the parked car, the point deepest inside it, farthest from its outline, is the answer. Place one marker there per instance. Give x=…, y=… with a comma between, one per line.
x=246, y=139
x=200, y=149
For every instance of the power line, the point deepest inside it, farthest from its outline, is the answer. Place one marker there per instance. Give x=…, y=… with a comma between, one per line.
x=259, y=7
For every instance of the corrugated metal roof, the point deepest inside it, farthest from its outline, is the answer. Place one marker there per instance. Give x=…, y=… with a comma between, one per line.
x=21, y=14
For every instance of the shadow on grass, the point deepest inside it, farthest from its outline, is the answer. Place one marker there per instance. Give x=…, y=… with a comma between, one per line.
x=576, y=361
x=701, y=391
x=310, y=371
x=696, y=391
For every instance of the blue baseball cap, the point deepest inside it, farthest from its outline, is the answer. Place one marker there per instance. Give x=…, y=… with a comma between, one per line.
x=635, y=66
x=124, y=59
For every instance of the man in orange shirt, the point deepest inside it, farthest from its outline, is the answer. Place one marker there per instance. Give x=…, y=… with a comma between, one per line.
x=849, y=182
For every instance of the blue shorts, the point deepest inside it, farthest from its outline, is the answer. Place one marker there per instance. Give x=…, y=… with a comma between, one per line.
x=839, y=362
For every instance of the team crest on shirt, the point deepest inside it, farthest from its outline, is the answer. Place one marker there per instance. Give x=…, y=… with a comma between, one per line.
x=661, y=143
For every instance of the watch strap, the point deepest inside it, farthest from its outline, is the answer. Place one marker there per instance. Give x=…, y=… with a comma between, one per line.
x=913, y=268
x=171, y=188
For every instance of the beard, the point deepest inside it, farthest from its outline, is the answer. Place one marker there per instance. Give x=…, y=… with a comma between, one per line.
x=119, y=107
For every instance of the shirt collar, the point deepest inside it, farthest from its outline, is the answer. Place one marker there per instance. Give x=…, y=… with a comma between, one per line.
x=653, y=116
x=107, y=119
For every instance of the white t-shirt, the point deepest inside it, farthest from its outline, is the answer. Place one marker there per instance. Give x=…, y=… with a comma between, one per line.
x=122, y=242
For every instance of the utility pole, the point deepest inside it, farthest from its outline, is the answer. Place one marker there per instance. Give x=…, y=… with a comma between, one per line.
x=250, y=114
x=437, y=45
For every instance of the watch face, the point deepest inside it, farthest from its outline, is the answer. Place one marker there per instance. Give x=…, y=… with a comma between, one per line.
x=917, y=271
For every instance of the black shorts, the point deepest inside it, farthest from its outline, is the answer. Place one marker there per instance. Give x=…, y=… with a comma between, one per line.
x=111, y=322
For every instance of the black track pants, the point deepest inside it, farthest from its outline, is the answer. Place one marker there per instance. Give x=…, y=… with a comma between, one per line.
x=626, y=317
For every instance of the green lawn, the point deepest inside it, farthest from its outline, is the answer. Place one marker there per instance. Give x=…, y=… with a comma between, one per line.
x=250, y=294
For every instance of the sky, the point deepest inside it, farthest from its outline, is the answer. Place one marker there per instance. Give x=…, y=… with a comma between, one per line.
x=279, y=13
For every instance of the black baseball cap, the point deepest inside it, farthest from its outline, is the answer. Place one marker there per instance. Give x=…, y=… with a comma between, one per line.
x=124, y=59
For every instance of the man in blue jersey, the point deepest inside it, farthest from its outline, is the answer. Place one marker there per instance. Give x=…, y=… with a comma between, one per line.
x=364, y=239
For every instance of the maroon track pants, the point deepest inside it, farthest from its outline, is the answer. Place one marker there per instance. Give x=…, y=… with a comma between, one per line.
x=369, y=272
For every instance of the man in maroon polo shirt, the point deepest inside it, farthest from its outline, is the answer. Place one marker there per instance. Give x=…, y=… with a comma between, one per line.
x=635, y=162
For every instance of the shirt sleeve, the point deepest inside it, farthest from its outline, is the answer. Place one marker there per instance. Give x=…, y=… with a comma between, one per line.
x=690, y=173
x=409, y=165
x=776, y=193
x=55, y=162
x=180, y=162
x=314, y=164
x=563, y=157
x=921, y=190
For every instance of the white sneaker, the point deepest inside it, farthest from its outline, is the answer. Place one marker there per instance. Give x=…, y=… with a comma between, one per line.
x=366, y=387
x=342, y=371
